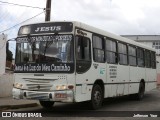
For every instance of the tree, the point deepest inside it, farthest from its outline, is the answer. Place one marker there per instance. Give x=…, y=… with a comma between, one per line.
x=9, y=55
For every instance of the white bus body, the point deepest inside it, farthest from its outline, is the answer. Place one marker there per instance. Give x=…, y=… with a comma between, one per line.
x=101, y=65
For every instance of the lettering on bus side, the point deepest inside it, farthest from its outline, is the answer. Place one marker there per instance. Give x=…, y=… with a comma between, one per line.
x=33, y=67
x=113, y=71
x=95, y=65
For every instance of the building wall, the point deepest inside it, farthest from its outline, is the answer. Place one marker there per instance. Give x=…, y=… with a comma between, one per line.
x=3, y=39
x=147, y=43
x=158, y=69
x=6, y=84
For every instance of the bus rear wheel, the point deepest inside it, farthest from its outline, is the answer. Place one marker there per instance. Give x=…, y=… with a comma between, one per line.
x=140, y=94
x=96, y=97
x=46, y=104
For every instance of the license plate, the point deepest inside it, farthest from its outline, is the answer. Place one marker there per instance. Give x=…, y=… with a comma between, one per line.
x=60, y=95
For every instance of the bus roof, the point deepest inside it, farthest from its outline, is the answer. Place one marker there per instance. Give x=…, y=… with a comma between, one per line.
x=104, y=33
x=110, y=35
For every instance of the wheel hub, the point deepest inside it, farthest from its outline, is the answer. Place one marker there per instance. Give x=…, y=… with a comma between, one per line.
x=97, y=97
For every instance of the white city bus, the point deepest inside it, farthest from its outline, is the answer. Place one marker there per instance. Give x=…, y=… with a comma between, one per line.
x=75, y=62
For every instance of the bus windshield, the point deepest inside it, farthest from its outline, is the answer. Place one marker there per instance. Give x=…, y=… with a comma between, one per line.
x=44, y=49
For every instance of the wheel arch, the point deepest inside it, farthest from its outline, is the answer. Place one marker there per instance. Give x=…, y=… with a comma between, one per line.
x=143, y=81
x=101, y=84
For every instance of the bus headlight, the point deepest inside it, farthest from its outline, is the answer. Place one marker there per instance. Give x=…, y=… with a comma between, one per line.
x=61, y=87
x=64, y=87
x=24, y=30
x=18, y=85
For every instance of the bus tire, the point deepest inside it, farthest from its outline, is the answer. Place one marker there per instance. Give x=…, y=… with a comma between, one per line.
x=96, y=97
x=140, y=95
x=47, y=104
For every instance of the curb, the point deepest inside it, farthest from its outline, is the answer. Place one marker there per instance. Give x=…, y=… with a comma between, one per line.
x=6, y=107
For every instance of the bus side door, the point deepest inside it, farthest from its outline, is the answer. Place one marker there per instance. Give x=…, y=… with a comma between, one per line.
x=83, y=65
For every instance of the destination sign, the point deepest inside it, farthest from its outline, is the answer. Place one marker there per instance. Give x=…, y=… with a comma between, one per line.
x=49, y=27
x=44, y=68
x=44, y=38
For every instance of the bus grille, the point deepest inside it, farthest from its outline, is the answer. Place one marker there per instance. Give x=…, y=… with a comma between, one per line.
x=38, y=85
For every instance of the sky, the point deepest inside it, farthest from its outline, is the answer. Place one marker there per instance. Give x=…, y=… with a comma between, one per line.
x=121, y=17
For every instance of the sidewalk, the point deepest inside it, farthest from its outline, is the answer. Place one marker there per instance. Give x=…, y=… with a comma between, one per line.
x=10, y=103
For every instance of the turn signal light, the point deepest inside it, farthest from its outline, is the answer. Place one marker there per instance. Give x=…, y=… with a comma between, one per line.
x=70, y=86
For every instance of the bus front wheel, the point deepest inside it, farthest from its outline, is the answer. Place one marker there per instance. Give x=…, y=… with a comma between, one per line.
x=96, y=97
x=46, y=104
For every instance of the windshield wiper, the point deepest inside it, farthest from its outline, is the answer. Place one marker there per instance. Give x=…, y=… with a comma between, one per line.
x=48, y=44
x=33, y=47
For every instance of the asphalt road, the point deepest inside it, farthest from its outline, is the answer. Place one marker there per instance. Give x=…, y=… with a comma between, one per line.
x=115, y=108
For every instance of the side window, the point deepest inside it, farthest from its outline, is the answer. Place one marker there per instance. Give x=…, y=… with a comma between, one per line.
x=153, y=60
x=111, y=51
x=132, y=56
x=122, y=50
x=140, y=57
x=148, y=59
x=83, y=54
x=83, y=48
x=98, y=51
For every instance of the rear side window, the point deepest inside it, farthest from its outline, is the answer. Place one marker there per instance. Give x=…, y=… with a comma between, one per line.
x=148, y=59
x=132, y=56
x=140, y=57
x=153, y=60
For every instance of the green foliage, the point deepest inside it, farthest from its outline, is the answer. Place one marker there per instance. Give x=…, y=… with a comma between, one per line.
x=9, y=55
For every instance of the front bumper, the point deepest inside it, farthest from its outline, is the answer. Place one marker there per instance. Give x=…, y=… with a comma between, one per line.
x=60, y=96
